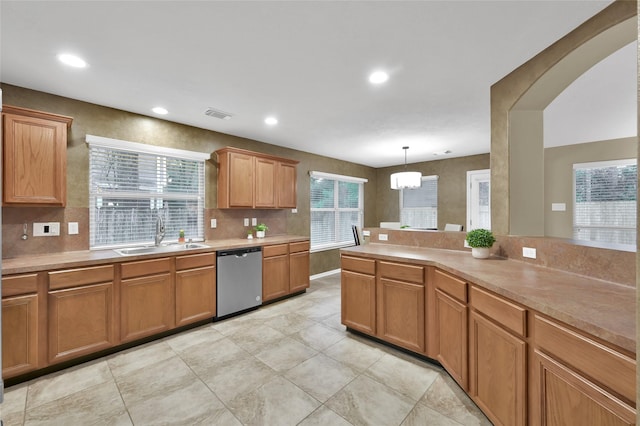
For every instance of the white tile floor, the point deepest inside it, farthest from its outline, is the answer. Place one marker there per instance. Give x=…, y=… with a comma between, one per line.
x=289, y=363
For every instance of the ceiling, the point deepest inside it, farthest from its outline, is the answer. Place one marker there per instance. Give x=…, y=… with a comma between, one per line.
x=305, y=62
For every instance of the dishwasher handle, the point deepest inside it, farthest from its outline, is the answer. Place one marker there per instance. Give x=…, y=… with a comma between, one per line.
x=242, y=252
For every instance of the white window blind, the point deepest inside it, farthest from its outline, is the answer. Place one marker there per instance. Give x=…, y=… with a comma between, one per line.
x=605, y=201
x=131, y=184
x=419, y=206
x=336, y=205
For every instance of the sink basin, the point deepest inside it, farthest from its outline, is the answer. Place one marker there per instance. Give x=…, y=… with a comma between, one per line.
x=132, y=251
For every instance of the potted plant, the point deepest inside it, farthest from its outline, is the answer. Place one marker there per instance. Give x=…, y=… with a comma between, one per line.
x=480, y=240
x=260, y=230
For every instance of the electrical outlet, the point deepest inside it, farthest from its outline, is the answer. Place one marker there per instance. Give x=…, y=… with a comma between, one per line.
x=246, y=221
x=366, y=233
x=46, y=229
x=383, y=237
x=294, y=210
x=254, y=221
x=214, y=223
x=72, y=228
x=529, y=252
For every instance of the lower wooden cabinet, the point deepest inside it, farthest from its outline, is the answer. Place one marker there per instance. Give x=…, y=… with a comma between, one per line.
x=81, y=315
x=147, y=303
x=400, y=295
x=298, y=266
x=275, y=271
x=359, y=301
x=195, y=288
x=20, y=343
x=566, y=398
x=498, y=368
x=285, y=269
x=451, y=317
x=22, y=334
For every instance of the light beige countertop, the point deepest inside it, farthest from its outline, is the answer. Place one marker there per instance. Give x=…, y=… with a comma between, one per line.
x=604, y=309
x=76, y=259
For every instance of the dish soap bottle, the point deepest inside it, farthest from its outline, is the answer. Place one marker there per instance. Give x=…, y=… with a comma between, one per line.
x=181, y=237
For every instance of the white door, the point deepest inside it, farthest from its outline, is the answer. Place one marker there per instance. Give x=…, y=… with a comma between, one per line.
x=478, y=199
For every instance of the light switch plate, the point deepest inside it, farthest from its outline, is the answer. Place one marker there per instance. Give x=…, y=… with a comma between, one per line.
x=214, y=223
x=254, y=221
x=72, y=228
x=294, y=210
x=383, y=237
x=366, y=233
x=46, y=229
x=246, y=221
x=529, y=252
x=558, y=207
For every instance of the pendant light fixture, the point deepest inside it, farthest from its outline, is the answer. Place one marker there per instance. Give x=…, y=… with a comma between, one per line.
x=406, y=180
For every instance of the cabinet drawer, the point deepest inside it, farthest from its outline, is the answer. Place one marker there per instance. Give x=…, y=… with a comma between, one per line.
x=450, y=285
x=296, y=247
x=500, y=310
x=19, y=284
x=356, y=264
x=78, y=277
x=195, y=261
x=612, y=369
x=276, y=250
x=146, y=267
x=398, y=271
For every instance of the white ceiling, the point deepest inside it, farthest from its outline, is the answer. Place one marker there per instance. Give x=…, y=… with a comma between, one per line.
x=305, y=62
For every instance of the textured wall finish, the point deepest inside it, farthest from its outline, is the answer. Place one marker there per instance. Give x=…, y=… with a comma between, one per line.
x=506, y=93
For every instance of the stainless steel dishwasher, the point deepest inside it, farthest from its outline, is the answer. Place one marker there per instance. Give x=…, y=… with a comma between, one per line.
x=239, y=280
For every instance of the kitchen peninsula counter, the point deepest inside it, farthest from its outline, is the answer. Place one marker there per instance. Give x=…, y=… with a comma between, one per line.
x=601, y=308
x=76, y=259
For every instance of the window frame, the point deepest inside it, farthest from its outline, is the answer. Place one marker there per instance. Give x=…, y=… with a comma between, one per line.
x=596, y=165
x=164, y=156
x=336, y=209
x=435, y=178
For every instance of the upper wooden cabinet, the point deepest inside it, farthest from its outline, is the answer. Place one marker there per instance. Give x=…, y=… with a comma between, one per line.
x=35, y=157
x=249, y=179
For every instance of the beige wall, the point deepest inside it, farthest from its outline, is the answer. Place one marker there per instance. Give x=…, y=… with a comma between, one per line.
x=108, y=122
x=452, y=188
x=558, y=177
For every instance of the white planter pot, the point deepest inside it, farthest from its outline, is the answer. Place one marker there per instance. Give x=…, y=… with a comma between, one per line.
x=260, y=234
x=481, y=252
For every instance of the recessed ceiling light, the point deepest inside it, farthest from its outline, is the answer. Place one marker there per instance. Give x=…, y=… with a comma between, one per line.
x=72, y=60
x=160, y=110
x=271, y=121
x=378, y=77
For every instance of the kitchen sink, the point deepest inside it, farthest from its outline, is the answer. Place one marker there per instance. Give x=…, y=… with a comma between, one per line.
x=168, y=248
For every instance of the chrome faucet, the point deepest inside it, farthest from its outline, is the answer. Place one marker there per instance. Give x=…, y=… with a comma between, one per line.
x=159, y=229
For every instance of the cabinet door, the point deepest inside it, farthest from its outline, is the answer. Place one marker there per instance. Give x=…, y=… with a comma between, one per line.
x=146, y=306
x=80, y=321
x=401, y=314
x=240, y=180
x=359, y=301
x=265, y=184
x=34, y=160
x=497, y=362
x=451, y=329
x=286, y=185
x=195, y=295
x=566, y=398
x=275, y=277
x=19, y=335
x=298, y=271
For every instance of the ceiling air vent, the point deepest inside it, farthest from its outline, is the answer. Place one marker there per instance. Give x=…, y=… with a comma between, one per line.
x=218, y=114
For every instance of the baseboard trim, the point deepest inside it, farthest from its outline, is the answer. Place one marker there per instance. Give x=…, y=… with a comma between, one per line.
x=325, y=274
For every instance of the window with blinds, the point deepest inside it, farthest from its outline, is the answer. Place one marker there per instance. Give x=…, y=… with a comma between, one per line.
x=419, y=206
x=131, y=184
x=605, y=201
x=336, y=205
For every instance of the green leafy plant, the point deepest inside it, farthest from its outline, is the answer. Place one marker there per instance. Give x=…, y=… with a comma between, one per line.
x=480, y=238
x=261, y=227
